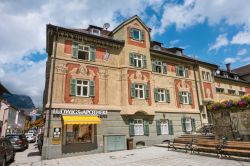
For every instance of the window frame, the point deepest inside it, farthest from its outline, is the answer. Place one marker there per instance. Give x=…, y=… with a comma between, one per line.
x=139, y=33
x=160, y=93
x=138, y=89
x=217, y=88
x=242, y=93
x=136, y=59
x=82, y=86
x=231, y=92
x=158, y=65
x=93, y=29
x=83, y=50
x=184, y=95
x=188, y=123
x=165, y=123
x=138, y=125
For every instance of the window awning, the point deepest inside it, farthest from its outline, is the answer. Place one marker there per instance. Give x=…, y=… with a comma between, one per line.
x=81, y=120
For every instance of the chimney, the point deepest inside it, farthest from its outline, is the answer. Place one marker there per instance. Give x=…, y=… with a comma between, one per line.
x=228, y=67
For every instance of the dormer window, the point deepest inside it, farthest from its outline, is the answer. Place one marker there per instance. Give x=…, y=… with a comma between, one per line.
x=95, y=31
x=178, y=52
x=137, y=34
x=156, y=47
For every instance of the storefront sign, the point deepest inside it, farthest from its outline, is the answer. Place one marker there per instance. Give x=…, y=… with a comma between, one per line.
x=60, y=111
x=57, y=132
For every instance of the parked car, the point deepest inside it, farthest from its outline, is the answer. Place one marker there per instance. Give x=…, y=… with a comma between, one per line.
x=19, y=141
x=30, y=137
x=7, y=152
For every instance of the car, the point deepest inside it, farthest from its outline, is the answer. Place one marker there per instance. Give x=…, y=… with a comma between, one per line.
x=18, y=140
x=7, y=151
x=30, y=137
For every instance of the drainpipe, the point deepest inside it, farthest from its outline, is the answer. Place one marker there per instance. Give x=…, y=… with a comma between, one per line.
x=52, y=82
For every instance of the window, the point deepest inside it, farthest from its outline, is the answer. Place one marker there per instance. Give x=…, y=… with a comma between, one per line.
x=137, y=60
x=162, y=95
x=219, y=90
x=185, y=98
x=82, y=88
x=188, y=124
x=96, y=31
x=241, y=93
x=206, y=76
x=84, y=52
x=164, y=127
x=159, y=66
x=182, y=71
x=236, y=77
x=79, y=133
x=137, y=34
x=231, y=92
x=138, y=127
x=139, y=91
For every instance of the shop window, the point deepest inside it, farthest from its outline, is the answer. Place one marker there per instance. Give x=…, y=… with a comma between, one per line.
x=79, y=133
x=159, y=66
x=164, y=126
x=181, y=71
x=219, y=90
x=137, y=34
x=185, y=97
x=82, y=88
x=138, y=127
x=188, y=124
x=138, y=60
x=139, y=91
x=84, y=52
x=162, y=95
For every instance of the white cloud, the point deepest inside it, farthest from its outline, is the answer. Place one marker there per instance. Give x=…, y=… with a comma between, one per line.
x=241, y=38
x=242, y=52
x=231, y=60
x=221, y=41
x=174, y=42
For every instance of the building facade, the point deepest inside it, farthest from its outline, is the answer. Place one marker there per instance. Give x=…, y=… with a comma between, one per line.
x=103, y=87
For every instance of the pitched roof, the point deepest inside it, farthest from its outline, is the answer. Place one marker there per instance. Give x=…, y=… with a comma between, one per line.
x=243, y=70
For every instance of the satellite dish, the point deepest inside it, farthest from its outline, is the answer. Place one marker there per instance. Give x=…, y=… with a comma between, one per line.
x=106, y=26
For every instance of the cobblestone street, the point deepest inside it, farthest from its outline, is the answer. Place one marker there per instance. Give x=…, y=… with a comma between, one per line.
x=156, y=156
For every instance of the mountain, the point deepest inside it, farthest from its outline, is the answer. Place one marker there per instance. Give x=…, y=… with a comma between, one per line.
x=19, y=101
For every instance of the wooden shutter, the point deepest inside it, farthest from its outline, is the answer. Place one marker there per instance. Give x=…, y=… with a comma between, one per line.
x=156, y=94
x=142, y=35
x=186, y=71
x=146, y=88
x=170, y=127
x=132, y=33
x=177, y=70
x=131, y=59
x=167, y=95
x=144, y=61
x=183, y=124
x=91, y=88
x=158, y=127
x=146, y=127
x=132, y=90
x=180, y=98
x=75, y=50
x=190, y=98
x=92, y=53
x=164, y=66
x=193, y=124
x=131, y=127
x=73, y=87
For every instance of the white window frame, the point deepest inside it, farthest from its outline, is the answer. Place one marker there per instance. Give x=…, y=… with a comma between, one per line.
x=188, y=124
x=164, y=127
x=208, y=76
x=159, y=65
x=242, y=93
x=138, y=127
x=137, y=58
x=81, y=86
x=94, y=33
x=138, y=88
x=231, y=90
x=134, y=29
x=83, y=50
x=161, y=95
x=185, y=98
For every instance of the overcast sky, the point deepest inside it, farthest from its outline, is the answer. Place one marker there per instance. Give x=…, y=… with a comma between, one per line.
x=216, y=31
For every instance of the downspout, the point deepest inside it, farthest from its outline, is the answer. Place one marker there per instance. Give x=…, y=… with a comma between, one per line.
x=52, y=82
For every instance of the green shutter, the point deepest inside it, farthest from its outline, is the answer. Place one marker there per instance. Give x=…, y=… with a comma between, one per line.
x=193, y=124
x=132, y=90
x=177, y=70
x=92, y=53
x=142, y=35
x=144, y=61
x=146, y=127
x=131, y=127
x=75, y=50
x=156, y=95
x=153, y=66
x=158, y=127
x=131, y=59
x=183, y=124
x=164, y=66
x=186, y=72
x=180, y=98
x=91, y=88
x=170, y=127
x=190, y=98
x=146, y=91
x=167, y=95
x=73, y=87
x=132, y=33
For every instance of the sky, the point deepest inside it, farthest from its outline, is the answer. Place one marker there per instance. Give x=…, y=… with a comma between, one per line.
x=216, y=31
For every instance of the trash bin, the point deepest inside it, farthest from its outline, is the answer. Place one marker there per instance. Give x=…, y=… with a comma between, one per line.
x=129, y=143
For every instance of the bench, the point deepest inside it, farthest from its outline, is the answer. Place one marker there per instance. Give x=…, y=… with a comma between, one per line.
x=238, y=148
x=206, y=145
x=180, y=143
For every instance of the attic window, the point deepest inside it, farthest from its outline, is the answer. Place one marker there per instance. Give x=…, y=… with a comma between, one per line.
x=156, y=47
x=178, y=52
x=137, y=34
x=95, y=31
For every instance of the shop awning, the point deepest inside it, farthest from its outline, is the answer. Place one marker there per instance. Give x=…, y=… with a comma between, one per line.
x=81, y=120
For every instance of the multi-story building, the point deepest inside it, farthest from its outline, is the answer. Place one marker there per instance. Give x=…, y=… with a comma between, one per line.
x=105, y=86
